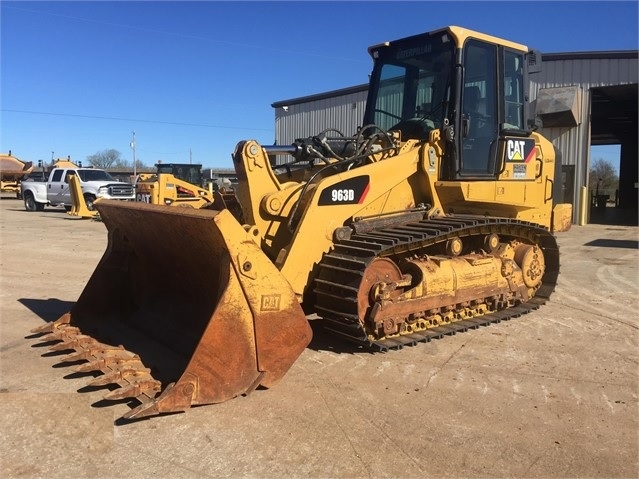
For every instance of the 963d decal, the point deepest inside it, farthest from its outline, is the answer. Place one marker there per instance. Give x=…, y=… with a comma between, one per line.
x=347, y=192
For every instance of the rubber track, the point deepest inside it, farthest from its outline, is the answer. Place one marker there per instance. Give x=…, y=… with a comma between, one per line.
x=341, y=271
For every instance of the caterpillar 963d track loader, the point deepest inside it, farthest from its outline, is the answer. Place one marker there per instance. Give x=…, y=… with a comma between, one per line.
x=437, y=216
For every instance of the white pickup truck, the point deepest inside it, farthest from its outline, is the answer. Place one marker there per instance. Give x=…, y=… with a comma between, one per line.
x=55, y=191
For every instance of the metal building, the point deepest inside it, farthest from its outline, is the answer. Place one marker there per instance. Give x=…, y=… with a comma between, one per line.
x=583, y=99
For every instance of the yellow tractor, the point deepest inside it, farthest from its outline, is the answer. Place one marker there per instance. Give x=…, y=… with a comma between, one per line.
x=437, y=216
x=173, y=184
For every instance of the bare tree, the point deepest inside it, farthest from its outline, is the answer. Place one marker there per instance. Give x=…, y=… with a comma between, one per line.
x=106, y=159
x=603, y=176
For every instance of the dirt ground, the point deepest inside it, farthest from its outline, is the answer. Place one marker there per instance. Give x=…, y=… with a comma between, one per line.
x=553, y=394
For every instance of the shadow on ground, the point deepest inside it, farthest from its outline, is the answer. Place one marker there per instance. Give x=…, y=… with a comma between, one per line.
x=48, y=309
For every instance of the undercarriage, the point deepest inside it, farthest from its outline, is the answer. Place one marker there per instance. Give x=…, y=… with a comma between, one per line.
x=406, y=283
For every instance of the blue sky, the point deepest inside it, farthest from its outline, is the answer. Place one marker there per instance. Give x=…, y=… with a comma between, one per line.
x=194, y=78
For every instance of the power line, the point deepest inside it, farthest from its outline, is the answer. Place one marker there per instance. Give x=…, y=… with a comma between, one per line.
x=135, y=120
x=188, y=36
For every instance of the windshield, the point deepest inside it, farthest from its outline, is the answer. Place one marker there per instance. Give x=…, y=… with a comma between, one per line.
x=189, y=173
x=410, y=84
x=95, y=175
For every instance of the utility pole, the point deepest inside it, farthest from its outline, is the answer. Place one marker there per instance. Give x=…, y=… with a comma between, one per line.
x=134, y=160
x=190, y=157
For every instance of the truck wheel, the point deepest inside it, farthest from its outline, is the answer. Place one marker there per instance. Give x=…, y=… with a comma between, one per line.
x=30, y=204
x=89, y=199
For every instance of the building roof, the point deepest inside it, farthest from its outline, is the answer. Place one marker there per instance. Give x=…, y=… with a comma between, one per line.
x=321, y=96
x=614, y=54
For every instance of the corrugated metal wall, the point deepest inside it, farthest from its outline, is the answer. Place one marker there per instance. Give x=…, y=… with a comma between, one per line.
x=301, y=120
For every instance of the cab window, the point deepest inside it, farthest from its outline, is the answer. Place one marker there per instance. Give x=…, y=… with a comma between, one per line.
x=513, y=91
x=57, y=175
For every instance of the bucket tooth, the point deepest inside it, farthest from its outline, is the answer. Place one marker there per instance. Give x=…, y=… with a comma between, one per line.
x=154, y=407
x=60, y=334
x=45, y=328
x=149, y=387
x=80, y=341
x=96, y=365
x=91, y=351
x=77, y=356
x=108, y=364
x=88, y=351
x=62, y=321
x=120, y=376
x=104, y=380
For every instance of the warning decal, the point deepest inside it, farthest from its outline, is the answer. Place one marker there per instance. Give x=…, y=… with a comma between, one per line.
x=520, y=150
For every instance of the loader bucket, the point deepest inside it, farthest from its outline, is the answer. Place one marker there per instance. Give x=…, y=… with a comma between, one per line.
x=183, y=303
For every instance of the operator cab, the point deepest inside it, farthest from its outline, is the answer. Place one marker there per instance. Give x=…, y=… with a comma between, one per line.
x=191, y=173
x=470, y=86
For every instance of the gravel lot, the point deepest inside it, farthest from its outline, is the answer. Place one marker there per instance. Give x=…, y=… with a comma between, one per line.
x=553, y=394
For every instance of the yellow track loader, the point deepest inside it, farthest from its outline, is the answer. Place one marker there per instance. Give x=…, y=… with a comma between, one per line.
x=437, y=216
x=173, y=184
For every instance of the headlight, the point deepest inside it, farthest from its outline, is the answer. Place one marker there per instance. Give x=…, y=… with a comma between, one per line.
x=103, y=190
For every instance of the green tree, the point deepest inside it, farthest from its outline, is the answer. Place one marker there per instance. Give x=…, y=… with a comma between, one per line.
x=603, y=177
x=106, y=159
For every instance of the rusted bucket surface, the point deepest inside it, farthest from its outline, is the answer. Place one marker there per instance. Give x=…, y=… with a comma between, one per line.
x=194, y=298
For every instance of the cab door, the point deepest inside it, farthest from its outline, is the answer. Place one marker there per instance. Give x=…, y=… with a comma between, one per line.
x=479, y=105
x=58, y=188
